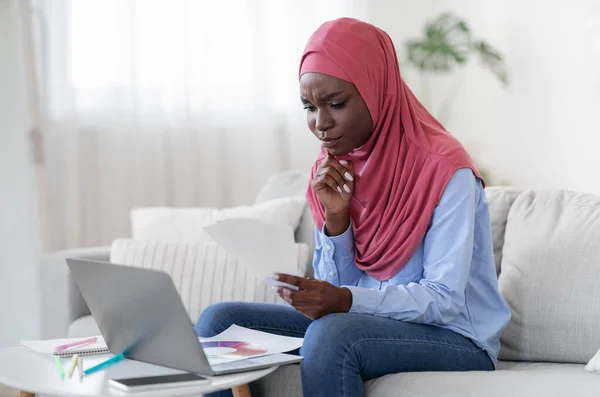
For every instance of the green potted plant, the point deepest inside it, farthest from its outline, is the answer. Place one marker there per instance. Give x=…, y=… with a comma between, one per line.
x=447, y=44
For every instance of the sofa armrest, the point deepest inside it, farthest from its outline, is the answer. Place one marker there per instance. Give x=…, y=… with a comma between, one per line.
x=61, y=301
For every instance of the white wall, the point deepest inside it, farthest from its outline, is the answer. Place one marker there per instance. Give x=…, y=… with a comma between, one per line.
x=19, y=246
x=544, y=131
x=541, y=132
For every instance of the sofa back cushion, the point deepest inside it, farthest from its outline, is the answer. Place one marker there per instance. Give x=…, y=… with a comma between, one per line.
x=186, y=224
x=500, y=199
x=551, y=277
x=203, y=272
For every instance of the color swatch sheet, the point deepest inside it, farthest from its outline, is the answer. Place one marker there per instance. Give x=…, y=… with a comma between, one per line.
x=239, y=343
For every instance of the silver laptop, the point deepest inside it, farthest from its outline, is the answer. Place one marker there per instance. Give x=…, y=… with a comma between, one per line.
x=139, y=313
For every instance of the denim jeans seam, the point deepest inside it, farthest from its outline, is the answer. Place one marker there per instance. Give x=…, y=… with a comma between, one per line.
x=254, y=326
x=474, y=350
x=428, y=342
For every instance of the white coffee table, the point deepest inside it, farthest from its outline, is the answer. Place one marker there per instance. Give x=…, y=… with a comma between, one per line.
x=33, y=374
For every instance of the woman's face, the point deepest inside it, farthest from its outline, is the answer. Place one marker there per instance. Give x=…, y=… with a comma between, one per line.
x=335, y=112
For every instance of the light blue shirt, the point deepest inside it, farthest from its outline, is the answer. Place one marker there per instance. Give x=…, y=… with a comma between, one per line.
x=450, y=281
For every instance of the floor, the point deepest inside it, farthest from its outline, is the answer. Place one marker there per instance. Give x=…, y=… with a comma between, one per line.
x=6, y=391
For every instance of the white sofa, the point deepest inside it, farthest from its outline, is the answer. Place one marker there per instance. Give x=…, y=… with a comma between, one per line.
x=547, y=251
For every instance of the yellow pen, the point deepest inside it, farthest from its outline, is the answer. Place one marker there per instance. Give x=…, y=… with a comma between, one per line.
x=73, y=365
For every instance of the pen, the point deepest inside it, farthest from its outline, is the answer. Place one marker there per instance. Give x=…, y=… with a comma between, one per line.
x=104, y=364
x=80, y=365
x=73, y=365
x=59, y=367
x=75, y=344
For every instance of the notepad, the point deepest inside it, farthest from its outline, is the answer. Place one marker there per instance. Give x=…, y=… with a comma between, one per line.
x=47, y=347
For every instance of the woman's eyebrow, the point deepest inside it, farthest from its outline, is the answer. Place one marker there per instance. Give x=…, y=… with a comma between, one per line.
x=326, y=97
x=331, y=95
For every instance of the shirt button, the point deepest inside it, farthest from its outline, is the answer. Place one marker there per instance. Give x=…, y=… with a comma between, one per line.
x=332, y=274
x=328, y=247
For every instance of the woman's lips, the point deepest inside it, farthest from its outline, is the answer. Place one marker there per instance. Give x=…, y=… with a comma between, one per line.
x=329, y=142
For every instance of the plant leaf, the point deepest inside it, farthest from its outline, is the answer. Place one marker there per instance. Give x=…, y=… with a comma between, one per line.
x=491, y=59
x=445, y=43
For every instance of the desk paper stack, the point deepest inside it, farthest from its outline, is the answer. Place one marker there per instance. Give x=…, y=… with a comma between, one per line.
x=238, y=343
x=48, y=347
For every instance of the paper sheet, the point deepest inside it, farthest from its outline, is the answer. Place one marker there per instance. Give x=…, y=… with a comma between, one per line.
x=275, y=283
x=262, y=247
x=219, y=348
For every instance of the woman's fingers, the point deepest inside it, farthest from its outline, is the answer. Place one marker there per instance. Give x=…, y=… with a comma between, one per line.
x=288, y=278
x=327, y=180
x=342, y=172
x=300, y=300
x=343, y=178
x=295, y=298
x=308, y=300
x=302, y=283
x=348, y=171
x=334, y=174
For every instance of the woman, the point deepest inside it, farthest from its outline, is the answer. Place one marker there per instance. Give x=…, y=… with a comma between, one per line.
x=404, y=266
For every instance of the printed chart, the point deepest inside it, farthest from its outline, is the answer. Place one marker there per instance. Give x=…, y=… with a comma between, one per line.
x=227, y=350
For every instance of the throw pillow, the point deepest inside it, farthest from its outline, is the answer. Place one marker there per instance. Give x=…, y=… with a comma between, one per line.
x=203, y=272
x=185, y=225
x=550, y=277
x=500, y=199
x=594, y=364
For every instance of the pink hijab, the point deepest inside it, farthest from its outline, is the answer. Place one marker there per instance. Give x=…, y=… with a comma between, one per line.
x=404, y=167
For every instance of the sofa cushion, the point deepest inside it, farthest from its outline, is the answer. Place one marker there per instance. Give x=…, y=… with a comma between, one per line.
x=551, y=277
x=83, y=327
x=510, y=379
x=500, y=200
x=203, y=273
x=183, y=225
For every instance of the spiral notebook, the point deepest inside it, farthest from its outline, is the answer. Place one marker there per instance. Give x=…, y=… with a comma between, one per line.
x=48, y=347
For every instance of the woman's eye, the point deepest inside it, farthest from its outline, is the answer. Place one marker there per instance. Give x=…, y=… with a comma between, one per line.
x=338, y=105
x=310, y=108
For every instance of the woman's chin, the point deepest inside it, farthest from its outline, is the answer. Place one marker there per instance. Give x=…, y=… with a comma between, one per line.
x=336, y=150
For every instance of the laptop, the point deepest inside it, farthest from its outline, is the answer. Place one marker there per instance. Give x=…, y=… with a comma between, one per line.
x=140, y=314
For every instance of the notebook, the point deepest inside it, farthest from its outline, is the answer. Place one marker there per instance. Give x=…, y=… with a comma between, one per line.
x=47, y=347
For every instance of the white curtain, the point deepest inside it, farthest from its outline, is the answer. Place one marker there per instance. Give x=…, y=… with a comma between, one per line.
x=168, y=102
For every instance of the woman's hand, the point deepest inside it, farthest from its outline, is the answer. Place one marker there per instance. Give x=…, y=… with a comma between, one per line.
x=314, y=298
x=333, y=184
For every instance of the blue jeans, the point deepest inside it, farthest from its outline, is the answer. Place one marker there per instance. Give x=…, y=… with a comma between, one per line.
x=343, y=350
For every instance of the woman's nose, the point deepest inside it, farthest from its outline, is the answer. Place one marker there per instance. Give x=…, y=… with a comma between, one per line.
x=323, y=121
